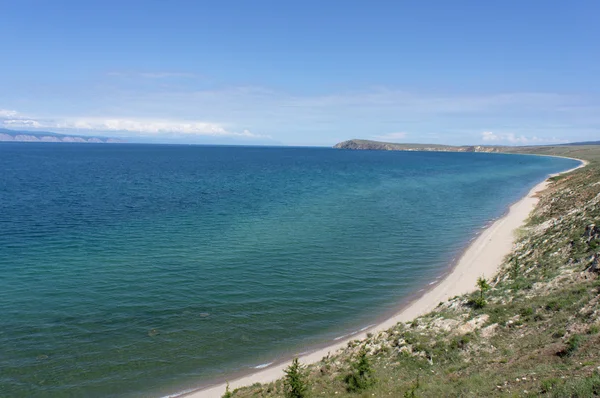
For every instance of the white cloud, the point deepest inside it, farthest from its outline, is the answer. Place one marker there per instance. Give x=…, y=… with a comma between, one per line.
x=331, y=117
x=21, y=123
x=391, y=136
x=489, y=136
x=13, y=119
x=513, y=138
x=7, y=113
x=150, y=127
x=157, y=105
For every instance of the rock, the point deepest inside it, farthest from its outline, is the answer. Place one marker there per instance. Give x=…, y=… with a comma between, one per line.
x=489, y=331
x=472, y=325
x=445, y=325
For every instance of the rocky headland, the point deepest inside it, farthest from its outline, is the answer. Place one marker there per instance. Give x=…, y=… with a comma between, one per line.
x=388, y=146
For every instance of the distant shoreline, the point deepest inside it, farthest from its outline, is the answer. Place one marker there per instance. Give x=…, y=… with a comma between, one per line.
x=482, y=257
x=47, y=137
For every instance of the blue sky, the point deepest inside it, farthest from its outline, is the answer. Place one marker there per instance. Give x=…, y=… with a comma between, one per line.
x=304, y=72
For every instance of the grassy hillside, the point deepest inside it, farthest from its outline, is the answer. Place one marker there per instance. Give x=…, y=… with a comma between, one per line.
x=535, y=333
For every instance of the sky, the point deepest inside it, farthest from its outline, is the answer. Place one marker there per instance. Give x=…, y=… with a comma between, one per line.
x=303, y=72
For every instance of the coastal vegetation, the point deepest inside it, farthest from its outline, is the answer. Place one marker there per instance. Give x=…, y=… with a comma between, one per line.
x=479, y=300
x=295, y=380
x=361, y=376
x=531, y=330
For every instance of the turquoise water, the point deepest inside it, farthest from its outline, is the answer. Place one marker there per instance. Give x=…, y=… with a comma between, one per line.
x=143, y=270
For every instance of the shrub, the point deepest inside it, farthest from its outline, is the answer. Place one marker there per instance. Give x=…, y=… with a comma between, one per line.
x=483, y=285
x=559, y=333
x=572, y=346
x=550, y=384
x=525, y=312
x=412, y=392
x=480, y=302
x=295, y=380
x=553, y=305
x=460, y=341
x=228, y=394
x=361, y=376
x=521, y=283
x=515, y=269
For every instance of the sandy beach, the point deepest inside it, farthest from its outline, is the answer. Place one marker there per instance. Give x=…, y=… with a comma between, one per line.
x=482, y=258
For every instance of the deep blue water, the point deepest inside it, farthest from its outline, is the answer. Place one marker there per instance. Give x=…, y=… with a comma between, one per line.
x=140, y=270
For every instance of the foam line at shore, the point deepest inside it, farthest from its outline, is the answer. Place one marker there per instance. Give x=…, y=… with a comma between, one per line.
x=483, y=257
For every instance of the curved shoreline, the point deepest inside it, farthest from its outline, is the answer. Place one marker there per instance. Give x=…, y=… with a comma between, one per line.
x=483, y=257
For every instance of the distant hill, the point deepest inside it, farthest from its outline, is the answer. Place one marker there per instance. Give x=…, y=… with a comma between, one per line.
x=581, y=143
x=389, y=146
x=47, y=136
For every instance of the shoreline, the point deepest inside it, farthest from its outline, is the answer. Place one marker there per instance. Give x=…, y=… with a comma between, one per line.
x=482, y=257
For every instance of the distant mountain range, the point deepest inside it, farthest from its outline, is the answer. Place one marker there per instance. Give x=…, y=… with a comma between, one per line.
x=46, y=136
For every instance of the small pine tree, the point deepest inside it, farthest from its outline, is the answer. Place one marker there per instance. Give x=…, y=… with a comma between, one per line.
x=362, y=375
x=515, y=269
x=295, y=381
x=483, y=286
x=228, y=394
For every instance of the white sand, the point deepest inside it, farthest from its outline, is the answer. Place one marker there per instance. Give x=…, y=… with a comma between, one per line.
x=482, y=258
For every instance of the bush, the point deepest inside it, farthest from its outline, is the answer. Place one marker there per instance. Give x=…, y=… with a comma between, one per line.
x=412, y=393
x=295, y=381
x=515, y=269
x=477, y=302
x=361, y=376
x=553, y=305
x=559, y=333
x=572, y=346
x=482, y=285
x=521, y=283
x=526, y=312
x=228, y=394
x=550, y=384
x=460, y=342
